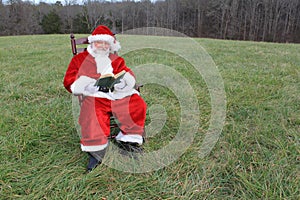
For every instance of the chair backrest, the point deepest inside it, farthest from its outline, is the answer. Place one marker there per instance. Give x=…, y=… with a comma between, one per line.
x=75, y=42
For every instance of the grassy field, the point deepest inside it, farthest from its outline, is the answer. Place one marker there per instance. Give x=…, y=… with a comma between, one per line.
x=256, y=156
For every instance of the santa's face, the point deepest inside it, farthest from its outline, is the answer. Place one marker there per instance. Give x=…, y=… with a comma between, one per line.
x=100, y=47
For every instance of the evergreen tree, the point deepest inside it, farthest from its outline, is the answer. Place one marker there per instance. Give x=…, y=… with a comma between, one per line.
x=51, y=23
x=80, y=24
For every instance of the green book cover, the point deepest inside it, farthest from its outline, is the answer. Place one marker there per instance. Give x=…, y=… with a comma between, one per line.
x=109, y=80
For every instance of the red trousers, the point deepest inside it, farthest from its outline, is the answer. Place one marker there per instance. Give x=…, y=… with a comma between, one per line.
x=95, y=113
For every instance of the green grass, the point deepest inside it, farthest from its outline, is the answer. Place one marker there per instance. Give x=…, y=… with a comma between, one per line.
x=256, y=157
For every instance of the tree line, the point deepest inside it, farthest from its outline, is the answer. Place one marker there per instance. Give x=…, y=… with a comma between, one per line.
x=257, y=20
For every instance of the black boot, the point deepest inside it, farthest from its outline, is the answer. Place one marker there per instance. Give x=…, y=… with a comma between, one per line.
x=129, y=148
x=95, y=159
x=93, y=163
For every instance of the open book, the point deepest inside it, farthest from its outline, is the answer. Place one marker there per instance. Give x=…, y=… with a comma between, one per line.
x=109, y=80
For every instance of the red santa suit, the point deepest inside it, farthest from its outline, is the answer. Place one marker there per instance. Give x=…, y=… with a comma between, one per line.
x=124, y=102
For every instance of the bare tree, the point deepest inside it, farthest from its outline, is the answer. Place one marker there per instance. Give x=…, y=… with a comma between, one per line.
x=266, y=20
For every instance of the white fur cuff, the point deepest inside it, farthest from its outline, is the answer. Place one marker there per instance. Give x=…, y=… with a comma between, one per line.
x=79, y=85
x=130, y=138
x=129, y=79
x=93, y=148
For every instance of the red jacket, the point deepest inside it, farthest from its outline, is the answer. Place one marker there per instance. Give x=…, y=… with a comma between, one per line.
x=84, y=64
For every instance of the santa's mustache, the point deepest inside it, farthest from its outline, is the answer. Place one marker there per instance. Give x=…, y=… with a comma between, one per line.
x=101, y=51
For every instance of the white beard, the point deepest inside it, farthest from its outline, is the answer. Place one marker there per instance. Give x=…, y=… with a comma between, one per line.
x=103, y=61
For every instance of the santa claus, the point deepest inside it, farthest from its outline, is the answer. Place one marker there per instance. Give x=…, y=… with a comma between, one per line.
x=98, y=104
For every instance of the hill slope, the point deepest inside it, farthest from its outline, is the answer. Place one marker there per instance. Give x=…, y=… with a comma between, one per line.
x=256, y=157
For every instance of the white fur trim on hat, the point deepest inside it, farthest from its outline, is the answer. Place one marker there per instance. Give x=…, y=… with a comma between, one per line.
x=101, y=37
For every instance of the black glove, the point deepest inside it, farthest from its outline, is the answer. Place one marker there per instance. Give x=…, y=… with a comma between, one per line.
x=103, y=89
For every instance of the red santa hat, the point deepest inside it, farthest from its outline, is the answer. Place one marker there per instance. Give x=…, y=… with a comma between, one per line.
x=103, y=33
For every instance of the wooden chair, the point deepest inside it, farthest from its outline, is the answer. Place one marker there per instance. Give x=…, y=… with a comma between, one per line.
x=79, y=41
x=78, y=46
